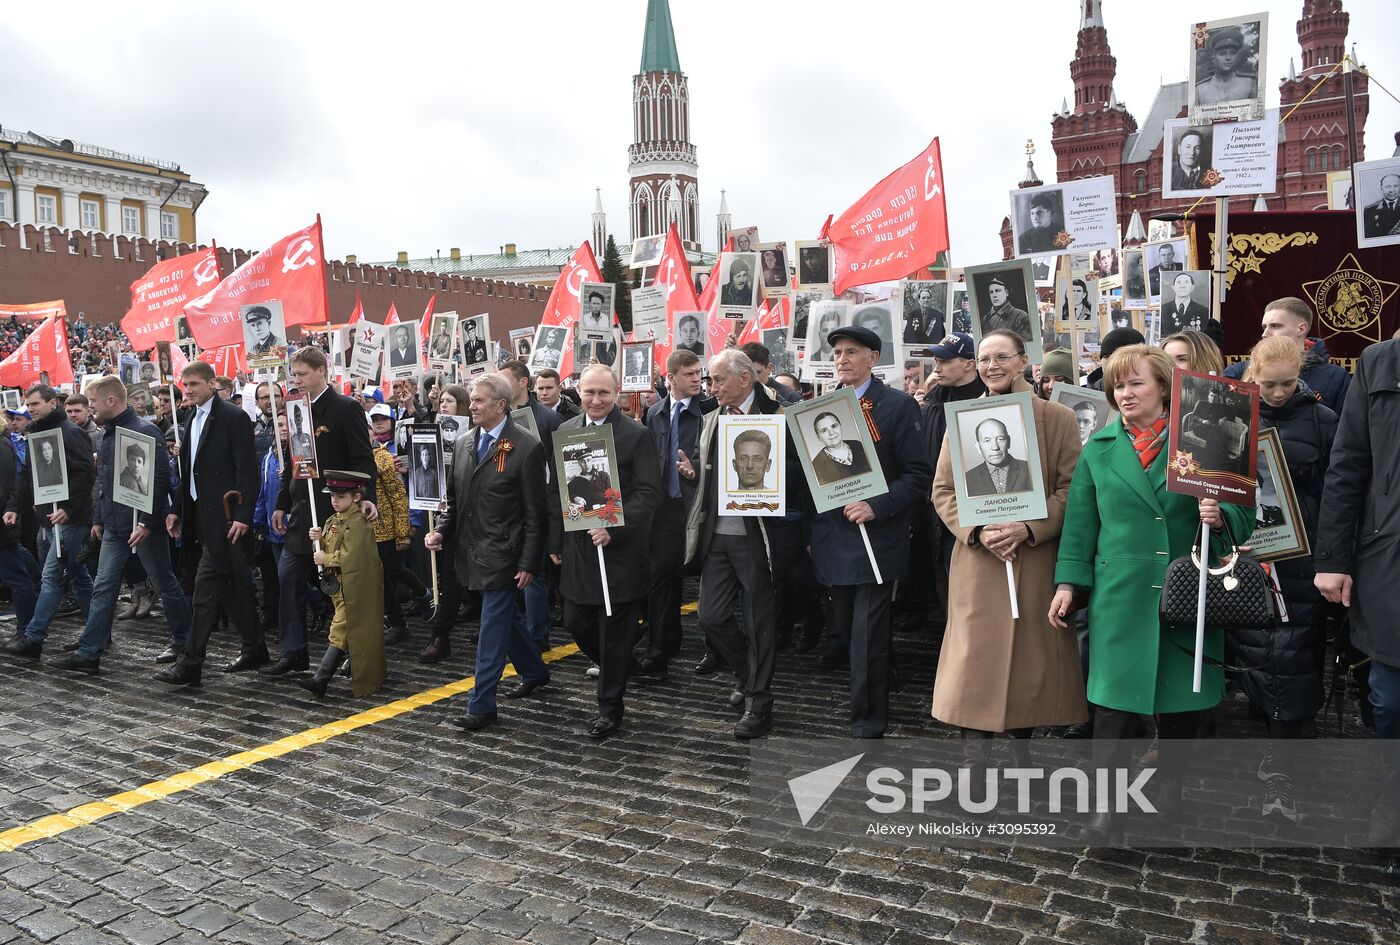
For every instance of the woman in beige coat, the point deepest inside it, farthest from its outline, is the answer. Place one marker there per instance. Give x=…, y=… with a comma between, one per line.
x=996, y=673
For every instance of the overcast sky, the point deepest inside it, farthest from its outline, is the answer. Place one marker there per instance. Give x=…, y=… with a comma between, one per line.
x=420, y=127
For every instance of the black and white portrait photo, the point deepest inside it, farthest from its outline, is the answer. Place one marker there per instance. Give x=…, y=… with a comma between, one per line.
x=301, y=439
x=134, y=478
x=832, y=440
x=995, y=458
x=962, y=310
x=593, y=351
x=48, y=466
x=745, y=238
x=1226, y=62
x=1003, y=294
x=825, y=317
x=522, y=344
x=450, y=427
x=701, y=275
x=150, y=373
x=1090, y=408
x=442, y=337
x=164, y=371
x=1079, y=304
x=401, y=356
x=595, y=310
x=752, y=465
x=476, y=340
x=423, y=472
x=1215, y=425
x=1190, y=156
x=264, y=333
x=1163, y=258
x=1043, y=270
x=751, y=461
x=691, y=332
x=925, y=320
x=647, y=250
x=1378, y=197
x=548, y=347
x=879, y=318
x=837, y=456
x=1134, y=279
x=1279, y=532
x=1185, y=301
x=588, y=475
x=738, y=288
x=773, y=269
x=1105, y=263
x=813, y=263
x=994, y=468
x=427, y=468
x=1041, y=216
x=636, y=366
x=781, y=355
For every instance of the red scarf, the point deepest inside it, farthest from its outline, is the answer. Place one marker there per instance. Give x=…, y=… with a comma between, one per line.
x=1149, y=442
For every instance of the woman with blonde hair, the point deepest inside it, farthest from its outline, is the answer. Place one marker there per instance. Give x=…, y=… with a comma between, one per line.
x=1121, y=530
x=1194, y=351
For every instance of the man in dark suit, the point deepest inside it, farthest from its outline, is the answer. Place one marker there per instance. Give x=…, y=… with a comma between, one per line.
x=1166, y=262
x=1044, y=215
x=860, y=608
x=1382, y=218
x=548, y=394
x=999, y=471
x=1182, y=312
x=473, y=344
x=403, y=347
x=498, y=520
x=741, y=557
x=608, y=641
x=217, y=459
x=338, y=424
x=925, y=324
x=546, y=422
x=674, y=424
x=1186, y=161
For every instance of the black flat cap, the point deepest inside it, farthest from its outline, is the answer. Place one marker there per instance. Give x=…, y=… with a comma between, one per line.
x=861, y=336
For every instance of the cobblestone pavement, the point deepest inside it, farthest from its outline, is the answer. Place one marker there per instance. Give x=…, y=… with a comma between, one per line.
x=409, y=831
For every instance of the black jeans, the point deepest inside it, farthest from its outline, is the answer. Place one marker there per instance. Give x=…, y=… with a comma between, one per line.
x=394, y=572
x=1114, y=730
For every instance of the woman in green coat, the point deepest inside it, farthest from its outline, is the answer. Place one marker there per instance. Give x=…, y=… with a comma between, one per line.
x=1122, y=528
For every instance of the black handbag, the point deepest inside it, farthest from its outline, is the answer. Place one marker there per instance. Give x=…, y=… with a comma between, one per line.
x=1239, y=595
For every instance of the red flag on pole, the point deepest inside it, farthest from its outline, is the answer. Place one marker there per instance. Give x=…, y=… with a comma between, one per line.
x=158, y=297
x=562, y=306
x=673, y=274
x=34, y=311
x=357, y=314
x=772, y=313
x=291, y=270
x=426, y=320
x=719, y=328
x=900, y=225
x=226, y=360
x=45, y=351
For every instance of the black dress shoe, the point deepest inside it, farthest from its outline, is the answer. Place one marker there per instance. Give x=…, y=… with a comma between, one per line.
x=20, y=645
x=169, y=655
x=753, y=725
x=522, y=689
x=707, y=665
x=736, y=699
x=248, y=661
x=475, y=723
x=603, y=726
x=394, y=635
x=652, y=669
x=181, y=676
x=832, y=659
x=295, y=663
x=76, y=663
x=438, y=650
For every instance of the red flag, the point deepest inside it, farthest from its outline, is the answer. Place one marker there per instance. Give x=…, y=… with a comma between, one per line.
x=562, y=306
x=899, y=225
x=158, y=297
x=34, y=311
x=673, y=273
x=393, y=317
x=226, y=360
x=719, y=328
x=291, y=270
x=772, y=313
x=45, y=351
x=358, y=314
x=426, y=320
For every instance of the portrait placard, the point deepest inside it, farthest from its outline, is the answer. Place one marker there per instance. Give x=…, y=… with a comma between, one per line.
x=1167, y=256
x=442, y=341
x=1226, y=59
x=961, y=306
x=1103, y=263
x=834, y=445
x=343, y=350
x=549, y=347
x=129, y=369
x=1378, y=199
x=403, y=355
x=452, y=426
x=1003, y=295
x=164, y=369
x=264, y=336
x=1134, y=279
x=646, y=251
x=48, y=466
x=595, y=311
x=1224, y=160
x=1213, y=438
x=1339, y=195
x=738, y=285
x=476, y=344
x=592, y=349
x=150, y=374
x=134, y=470
x=924, y=304
x=184, y=338
x=879, y=318
x=752, y=469
x=1043, y=271
x=701, y=276
x=13, y=400
x=824, y=317
x=525, y=417
x=802, y=301
x=649, y=313
x=780, y=354
x=427, y=473
x=813, y=264
x=637, y=367
x=996, y=460
x=1091, y=409
x=692, y=328
x=585, y=463
x=1077, y=302
x=745, y=238
x=1279, y=530
x=1111, y=317
x=1077, y=216
x=1185, y=300
x=369, y=349
x=773, y=279
x=522, y=342
x=301, y=437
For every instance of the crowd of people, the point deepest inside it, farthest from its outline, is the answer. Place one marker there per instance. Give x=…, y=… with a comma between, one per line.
x=89, y=344
x=342, y=562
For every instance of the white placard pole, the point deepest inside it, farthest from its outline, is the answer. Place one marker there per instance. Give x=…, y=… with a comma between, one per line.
x=603, y=573
x=1011, y=589
x=174, y=416
x=1198, y=657
x=870, y=552
x=432, y=558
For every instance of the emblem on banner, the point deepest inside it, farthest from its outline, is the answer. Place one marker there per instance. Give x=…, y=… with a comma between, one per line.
x=207, y=271
x=1248, y=250
x=1350, y=300
x=931, y=186
x=299, y=255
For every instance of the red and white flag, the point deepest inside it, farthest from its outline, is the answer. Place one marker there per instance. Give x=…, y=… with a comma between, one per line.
x=900, y=225
x=719, y=328
x=158, y=297
x=357, y=314
x=673, y=274
x=291, y=271
x=45, y=351
x=562, y=306
x=772, y=313
x=426, y=321
x=227, y=360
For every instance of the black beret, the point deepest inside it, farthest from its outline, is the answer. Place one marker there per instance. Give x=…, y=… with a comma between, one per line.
x=861, y=336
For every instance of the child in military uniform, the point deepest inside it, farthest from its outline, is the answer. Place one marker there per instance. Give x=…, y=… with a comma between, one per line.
x=349, y=555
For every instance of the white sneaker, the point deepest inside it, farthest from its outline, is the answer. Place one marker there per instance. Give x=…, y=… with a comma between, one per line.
x=1267, y=768
x=1278, y=798
x=592, y=671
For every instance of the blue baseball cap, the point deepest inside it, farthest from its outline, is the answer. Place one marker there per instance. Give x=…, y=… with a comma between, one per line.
x=956, y=345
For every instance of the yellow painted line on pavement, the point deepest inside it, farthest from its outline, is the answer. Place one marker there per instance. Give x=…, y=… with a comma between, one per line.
x=690, y=608
x=55, y=824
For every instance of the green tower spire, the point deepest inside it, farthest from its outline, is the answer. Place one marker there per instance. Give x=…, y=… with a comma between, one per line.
x=659, y=40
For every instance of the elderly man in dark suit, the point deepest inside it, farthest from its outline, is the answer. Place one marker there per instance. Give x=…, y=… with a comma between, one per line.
x=1182, y=311
x=218, y=459
x=498, y=521
x=607, y=640
x=338, y=424
x=999, y=471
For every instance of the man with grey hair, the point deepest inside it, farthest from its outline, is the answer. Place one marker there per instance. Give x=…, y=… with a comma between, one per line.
x=739, y=552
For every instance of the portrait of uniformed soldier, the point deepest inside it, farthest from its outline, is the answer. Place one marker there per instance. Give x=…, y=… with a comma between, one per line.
x=588, y=486
x=1003, y=312
x=738, y=291
x=1227, y=83
x=1182, y=311
x=261, y=338
x=425, y=476
x=1190, y=155
x=923, y=320
x=441, y=347
x=1042, y=221
x=300, y=435
x=473, y=345
x=1166, y=262
x=813, y=265
x=775, y=274
x=1382, y=218
x=998, y=472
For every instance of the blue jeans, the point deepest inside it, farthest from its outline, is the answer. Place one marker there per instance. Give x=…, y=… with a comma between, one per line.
x=1385, y=700
x=20, y=574
x=154, y=555
x=71, y=538
x=502, y=635
x=537, y=610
